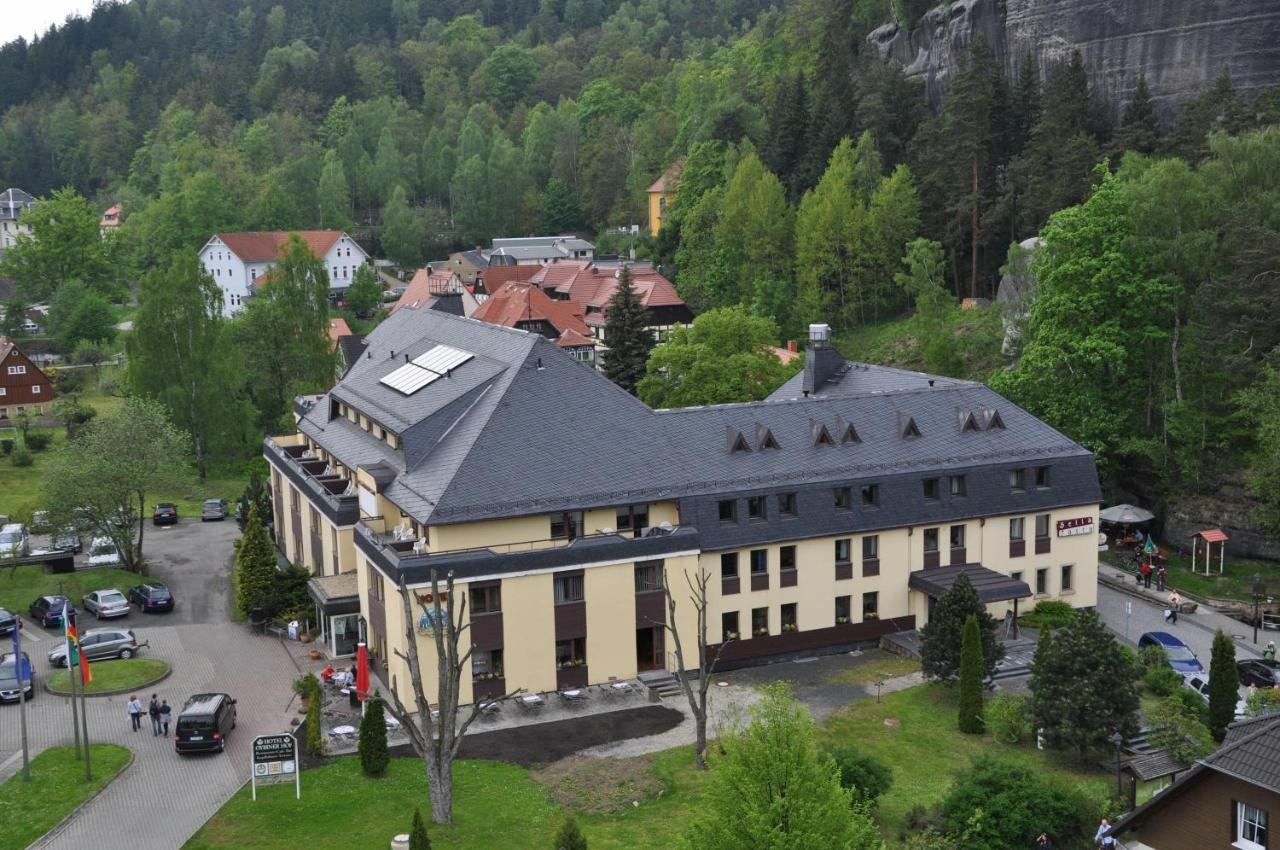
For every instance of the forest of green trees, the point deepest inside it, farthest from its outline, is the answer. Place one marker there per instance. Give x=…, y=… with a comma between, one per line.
x=818, y=184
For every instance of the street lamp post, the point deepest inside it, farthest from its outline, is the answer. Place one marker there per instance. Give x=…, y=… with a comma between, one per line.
x=1117, y=739
x=1259, y=594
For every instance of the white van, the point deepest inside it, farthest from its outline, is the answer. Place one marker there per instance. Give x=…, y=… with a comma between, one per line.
x=14, y=541
x=102, y=553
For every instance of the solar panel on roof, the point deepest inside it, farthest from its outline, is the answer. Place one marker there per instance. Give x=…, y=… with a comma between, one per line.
x=426, y=368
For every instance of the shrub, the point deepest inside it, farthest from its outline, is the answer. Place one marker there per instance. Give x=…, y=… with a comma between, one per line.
x=6, y=445
x=1153, y=658
x=418, y=838
x=315, y=732
x=1162, y=681
x=21, y=456
x=1009, y=718
x=374, y=757
x=1017, y=804
x=570, y=837
x=1263, y=701
x=1224, y=684
x=1050, y=614
x=865, y=775
x=307, y=686
x=1177, y=725
x=971, y=676
x=37, y=441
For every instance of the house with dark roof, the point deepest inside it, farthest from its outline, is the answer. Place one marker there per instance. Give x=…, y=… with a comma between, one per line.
x=237, y=262
x=817, y=518
x=1229, y=799
x=540, y=250
x=439, y=288
x=467, y=264
x=13, y=203
x=23, y=387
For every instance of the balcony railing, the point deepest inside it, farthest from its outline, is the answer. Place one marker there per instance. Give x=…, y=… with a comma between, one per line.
x=333, y=494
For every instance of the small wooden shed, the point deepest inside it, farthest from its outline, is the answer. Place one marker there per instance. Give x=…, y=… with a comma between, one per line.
x=1209, y=542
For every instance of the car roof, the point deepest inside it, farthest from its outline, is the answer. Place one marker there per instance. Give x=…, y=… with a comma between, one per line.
x=203, y=703
x=54, y=598
x=214, y=501
x=1163, y=638
x=164, y=504
x=107, y=632
x=153, y=585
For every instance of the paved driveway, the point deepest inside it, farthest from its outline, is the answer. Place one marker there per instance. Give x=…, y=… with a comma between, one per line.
x=162, y=799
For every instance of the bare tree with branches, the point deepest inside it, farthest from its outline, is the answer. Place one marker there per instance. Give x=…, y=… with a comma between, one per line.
x=437, y=738
x=706, y=663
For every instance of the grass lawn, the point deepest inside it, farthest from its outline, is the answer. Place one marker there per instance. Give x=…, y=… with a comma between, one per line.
x=927, y=748
x=30, y=809
x=1236, y=581
x=20, y=587
x=116, y=675
x=496, y=805
x=977, y=334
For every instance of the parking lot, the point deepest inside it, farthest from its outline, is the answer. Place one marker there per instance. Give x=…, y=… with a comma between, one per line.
x=161, y=799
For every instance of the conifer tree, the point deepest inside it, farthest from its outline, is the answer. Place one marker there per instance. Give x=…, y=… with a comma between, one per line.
x=940, y=639
x=255, y=565
x=783, y=148
x=971, y=676
x=627, y=335
x=374, y=757
x=1139, y=128
x=315, y=745
x=570, y=837
x=1224, y=681
x=418, y=837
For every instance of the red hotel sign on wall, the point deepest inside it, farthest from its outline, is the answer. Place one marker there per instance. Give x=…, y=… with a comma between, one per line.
x=1073, y=527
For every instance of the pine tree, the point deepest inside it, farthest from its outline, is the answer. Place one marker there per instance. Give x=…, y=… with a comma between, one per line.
x=373, y=739
x=783, y=148
x=418, y=838
x=627, y=334
x=1082, y=687
x=255, y=565
x=570, y=836
x=971, y=676
x=1026, y=104
x=940, y=639
x=1139, y=128
x=1224, y=680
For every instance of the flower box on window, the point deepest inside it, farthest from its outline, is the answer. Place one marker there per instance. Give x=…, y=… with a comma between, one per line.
x=871, y=616
x=760, y=632
x=789, y=627
x=731, y=636
x=840, y=621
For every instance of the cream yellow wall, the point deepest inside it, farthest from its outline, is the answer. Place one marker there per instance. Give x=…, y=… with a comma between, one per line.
x=610, y=593
x=655, y=209
x=498, y=532
x=680, y=572
x=528, y=633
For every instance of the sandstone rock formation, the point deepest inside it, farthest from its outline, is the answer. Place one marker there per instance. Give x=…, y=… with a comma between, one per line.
x=1181, y=45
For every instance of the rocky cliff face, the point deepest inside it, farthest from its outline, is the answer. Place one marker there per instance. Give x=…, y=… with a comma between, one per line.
x=1181, y=45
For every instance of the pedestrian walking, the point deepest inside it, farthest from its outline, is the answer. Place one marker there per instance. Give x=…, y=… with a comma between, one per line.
x=1101, y=839
x=1161, y=575
x=165, y=711
x=153, y=711
x=1175, y=602
x=134, y=707
x=1043, y=842
x=1270, y=652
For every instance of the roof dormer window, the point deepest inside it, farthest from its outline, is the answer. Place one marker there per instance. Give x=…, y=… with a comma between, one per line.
x=766, y=439
x=737, y=442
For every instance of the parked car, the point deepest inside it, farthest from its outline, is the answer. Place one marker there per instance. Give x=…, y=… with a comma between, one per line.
x=14, y=540
x=152, y=596
x=67, y=539
x=103, y=553
x=9, y=622
x=1181, y=658
x=40, y=522
x=166, y=513
x=204, y=723
x=105, y=603
x=98, y=644
x=1199, y=683
x=47, y=610
x=213, y=509
x=1259, y=672
x=9, y=677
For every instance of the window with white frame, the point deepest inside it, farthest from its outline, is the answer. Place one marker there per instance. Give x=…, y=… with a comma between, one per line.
x=35, y=389
x=17, y=370
x=1251, y=828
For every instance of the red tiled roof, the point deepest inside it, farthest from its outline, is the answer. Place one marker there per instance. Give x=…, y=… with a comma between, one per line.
x=111, y=218
x=572, y=339
x=670, y=179
x=555, y=275
x=426, y=284
x=338, y=327
x=518, y=302
x=264, y=246
x=1212, y=535
x=494, y=277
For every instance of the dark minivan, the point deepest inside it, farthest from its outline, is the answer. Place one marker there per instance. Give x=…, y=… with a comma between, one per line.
x=204, y=723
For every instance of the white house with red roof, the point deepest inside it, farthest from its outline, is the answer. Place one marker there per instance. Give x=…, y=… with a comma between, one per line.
x=236, y=261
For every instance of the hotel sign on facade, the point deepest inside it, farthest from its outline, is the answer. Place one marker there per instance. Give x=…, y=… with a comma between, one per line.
x=1077, y=526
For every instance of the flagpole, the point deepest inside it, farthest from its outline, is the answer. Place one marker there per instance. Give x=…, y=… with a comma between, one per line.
x=22, y=699
x=75, y=713
x=84, y=714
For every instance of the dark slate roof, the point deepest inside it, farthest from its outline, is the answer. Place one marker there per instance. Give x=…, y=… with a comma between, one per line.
x=521, y=428
x=13, y=202
x=850, y=379
x=1154, y=764
x=350, y=347
x=448, y=302
x=990, y=585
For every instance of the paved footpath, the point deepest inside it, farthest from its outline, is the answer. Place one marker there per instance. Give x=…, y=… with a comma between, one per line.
x=161, y=799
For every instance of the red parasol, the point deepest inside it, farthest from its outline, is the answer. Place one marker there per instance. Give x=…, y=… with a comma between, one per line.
x=362, y=671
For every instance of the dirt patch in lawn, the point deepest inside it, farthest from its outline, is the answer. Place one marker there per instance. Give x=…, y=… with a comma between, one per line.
x=598, y=786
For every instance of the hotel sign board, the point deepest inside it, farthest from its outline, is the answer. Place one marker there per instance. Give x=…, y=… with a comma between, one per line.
x=275, y=760
x=1073, y=527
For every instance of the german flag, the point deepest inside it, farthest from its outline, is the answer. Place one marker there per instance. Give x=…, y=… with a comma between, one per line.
x=73, y=648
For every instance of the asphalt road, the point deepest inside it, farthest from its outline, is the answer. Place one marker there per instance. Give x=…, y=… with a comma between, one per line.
x=162, y=799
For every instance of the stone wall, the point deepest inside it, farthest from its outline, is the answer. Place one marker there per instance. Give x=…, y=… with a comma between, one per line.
x=1230, y=509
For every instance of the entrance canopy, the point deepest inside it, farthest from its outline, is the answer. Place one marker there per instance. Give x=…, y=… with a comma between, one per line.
x=336, y=594
x=991, y=585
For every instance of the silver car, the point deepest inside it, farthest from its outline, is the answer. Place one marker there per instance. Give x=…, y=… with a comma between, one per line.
x=98, y=644
x=213, y=509
x=105, y=603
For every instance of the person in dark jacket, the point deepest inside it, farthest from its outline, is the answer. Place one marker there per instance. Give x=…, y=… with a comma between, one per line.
x=153, y=711
x=1044, y=842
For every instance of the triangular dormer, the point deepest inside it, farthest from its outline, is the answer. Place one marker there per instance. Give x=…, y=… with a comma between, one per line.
x=819, y=434
x=909, y=429
x=846, y=432
x=765, y=438
x=968, y=422
x=994, y=421
x=737, y=442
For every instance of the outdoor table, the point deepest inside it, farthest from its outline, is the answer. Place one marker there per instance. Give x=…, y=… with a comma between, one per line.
x=573, y=695
x=531, y=701
x=490, y=707
x=341, y=731
x=392, y=723
x=621, y=687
